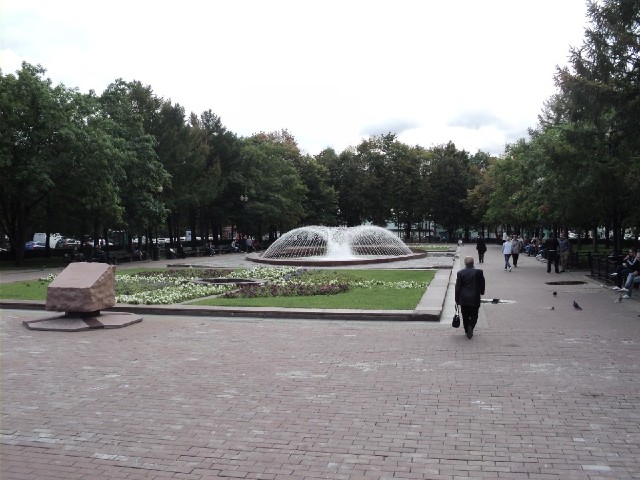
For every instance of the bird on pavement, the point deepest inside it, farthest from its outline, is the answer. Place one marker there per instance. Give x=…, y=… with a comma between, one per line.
x=576, y=306
x=555, y=293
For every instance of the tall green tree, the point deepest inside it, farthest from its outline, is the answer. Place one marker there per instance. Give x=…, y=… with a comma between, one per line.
x=408, y=185
x=601, y=97
x=33, y=117
x=272, y=184
x=347, y=172
x=320, y=205
x=375, y=158
x=90, y=171
x=448, y=182
x=226, y=180
x=129, y=104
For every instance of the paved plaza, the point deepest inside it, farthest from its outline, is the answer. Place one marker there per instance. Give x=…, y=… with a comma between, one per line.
x=542, y=391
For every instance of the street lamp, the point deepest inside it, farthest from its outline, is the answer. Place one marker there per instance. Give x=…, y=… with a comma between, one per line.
x=243, y=200
x=155, y=253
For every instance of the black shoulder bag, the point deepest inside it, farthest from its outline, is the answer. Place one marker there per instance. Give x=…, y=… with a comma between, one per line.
x=456, y=319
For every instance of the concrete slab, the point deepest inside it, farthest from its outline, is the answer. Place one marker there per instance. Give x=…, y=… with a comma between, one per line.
x=70, y=323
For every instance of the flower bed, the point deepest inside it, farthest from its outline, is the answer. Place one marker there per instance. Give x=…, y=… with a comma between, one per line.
x=177, y=285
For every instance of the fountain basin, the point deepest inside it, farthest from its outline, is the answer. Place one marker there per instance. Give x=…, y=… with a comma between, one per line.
x=327, y=262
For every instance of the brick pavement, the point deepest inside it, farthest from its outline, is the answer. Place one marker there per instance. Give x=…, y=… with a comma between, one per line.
x=537, y=393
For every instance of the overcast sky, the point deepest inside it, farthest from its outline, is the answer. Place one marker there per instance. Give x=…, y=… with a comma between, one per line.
x=475, y=72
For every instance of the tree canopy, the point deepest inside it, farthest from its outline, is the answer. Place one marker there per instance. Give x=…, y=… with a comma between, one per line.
x=128, y=160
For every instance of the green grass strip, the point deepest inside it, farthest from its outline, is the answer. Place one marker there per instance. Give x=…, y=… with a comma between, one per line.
x=375, y=297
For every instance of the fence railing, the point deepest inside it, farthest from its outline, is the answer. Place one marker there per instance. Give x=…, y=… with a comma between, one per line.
x=602, y=266
x=580, y=260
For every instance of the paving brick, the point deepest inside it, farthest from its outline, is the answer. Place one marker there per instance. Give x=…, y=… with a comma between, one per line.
x=537, y=393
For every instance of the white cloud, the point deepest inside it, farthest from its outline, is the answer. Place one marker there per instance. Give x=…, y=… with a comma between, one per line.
x=327, y=71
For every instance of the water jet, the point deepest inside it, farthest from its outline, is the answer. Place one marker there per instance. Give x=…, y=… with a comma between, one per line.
x=336, y=246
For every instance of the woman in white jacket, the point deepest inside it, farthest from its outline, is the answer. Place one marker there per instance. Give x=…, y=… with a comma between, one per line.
x=506, y=251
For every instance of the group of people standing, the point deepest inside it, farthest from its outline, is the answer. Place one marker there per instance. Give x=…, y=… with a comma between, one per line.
x=555, y=250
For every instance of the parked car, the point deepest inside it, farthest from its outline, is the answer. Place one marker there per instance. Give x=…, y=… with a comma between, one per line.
x=67, y=243
x=31, y=245
x=42, y=238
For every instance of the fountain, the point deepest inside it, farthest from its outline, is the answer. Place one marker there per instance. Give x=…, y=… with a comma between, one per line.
x=334, y=246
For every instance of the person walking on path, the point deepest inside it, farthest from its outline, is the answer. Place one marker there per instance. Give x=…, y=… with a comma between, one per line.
x=470, y=285
x=551, y=247
x=481, y=247
x=564, y=247
x=506, y=251
x=516, y=246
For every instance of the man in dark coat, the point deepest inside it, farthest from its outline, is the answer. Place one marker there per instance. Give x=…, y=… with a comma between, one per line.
x=481, y=246
x=551, y=247
x=469, y=289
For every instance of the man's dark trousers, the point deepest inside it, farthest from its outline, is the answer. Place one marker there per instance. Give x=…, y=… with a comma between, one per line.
x=552, y=256
x=469, y=316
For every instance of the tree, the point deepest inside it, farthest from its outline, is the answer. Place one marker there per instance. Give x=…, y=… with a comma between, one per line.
x=130, y=105
x=408, y=185
x=600, y=94
x=226, y=181
x=480, y=188
x=448, y=181
x=375, y=160
x=347, y=171
x=89, y=172
x=33, y=117
x=320, y=205
x=271, y=182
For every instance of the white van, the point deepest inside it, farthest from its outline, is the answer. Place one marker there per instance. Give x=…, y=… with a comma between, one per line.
x=42, y=238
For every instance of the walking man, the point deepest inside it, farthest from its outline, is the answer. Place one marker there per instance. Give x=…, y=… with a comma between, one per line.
x=469, y=289
x=516, y=245
x=506, y=251
x=481, y=246
x=564, y=247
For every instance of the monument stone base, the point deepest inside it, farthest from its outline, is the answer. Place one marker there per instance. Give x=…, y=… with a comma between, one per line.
x=78, y=323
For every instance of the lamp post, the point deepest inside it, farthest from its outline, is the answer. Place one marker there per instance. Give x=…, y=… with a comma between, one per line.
x=243, y=200
x=155, y=252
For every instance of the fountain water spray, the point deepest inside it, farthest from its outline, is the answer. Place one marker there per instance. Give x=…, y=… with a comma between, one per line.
x=316, y=245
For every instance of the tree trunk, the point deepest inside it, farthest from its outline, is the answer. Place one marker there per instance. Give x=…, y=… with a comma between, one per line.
x=407, y=231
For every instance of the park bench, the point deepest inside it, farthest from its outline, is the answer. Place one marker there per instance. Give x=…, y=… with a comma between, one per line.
x=73, y=257
x=602, y=266
x=223, y=249
x=192, y=252
x=119, y=256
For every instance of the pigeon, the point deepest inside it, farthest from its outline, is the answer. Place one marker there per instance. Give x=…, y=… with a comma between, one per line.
x=576, y=306
x=555, y=293
x=495, y=300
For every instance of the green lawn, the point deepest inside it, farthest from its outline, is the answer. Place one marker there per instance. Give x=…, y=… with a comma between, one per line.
x=28, y=290
x=374, y=298
x=377, y=297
